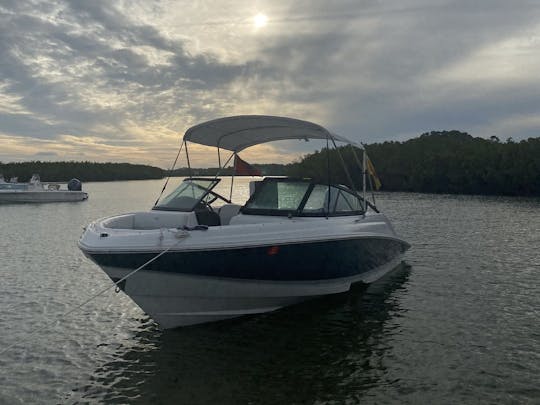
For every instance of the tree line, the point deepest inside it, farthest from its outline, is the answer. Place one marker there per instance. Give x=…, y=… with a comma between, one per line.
x=438, y=162
x=84, y=171
x=435, y=162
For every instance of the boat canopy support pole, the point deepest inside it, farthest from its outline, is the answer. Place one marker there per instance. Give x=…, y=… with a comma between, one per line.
x=360, y=165
x=170, y=172
x=224, y=165
x=364, y=179
x=234, y=171
x=344, y=166
x=328, y=174
x=189, y=165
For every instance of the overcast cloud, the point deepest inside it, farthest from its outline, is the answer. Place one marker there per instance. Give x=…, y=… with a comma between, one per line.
x=122, y=80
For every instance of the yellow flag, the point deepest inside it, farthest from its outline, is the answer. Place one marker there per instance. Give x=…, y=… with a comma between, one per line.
x=373, y=173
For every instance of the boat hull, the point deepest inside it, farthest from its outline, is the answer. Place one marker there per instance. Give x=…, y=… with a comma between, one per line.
x=41, y=196
x=185, y=288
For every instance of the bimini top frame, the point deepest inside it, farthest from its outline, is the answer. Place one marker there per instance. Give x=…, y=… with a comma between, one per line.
x=237, y=133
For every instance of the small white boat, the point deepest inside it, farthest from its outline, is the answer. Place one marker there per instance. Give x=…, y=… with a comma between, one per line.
x=37, y=192
x=293, y=240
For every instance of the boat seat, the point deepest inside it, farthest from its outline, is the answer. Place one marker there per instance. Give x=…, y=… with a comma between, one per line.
x=154, y=220
x=227, y=211
x=208, y=218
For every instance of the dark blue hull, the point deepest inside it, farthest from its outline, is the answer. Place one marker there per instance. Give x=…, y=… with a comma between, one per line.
x=292, y=262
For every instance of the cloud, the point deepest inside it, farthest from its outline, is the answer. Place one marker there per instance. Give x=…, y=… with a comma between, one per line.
x=383, y=73
x=46, y=155
x=84, y=69
x=122, y=80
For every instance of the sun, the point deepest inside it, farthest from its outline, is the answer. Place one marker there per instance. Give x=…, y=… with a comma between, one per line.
x=260, y=20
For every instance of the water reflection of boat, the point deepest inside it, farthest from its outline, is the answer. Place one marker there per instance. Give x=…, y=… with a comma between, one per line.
x=37, y=192
x=328, y=350
x=293, y=240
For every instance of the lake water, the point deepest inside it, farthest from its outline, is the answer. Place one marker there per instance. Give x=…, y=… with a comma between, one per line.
x=458, y=324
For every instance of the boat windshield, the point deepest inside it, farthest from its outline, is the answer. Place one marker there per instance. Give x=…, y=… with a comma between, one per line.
x=281, y=196
x=188, y=196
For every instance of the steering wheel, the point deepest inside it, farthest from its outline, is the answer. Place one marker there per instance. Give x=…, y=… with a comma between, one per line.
x=212, y=196
x=216, y=196
x=205, y=205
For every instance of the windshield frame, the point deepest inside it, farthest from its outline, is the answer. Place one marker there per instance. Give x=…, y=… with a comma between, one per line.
x=197, y=202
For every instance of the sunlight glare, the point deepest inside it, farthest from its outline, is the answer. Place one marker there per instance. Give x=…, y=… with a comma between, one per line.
x=260, y=20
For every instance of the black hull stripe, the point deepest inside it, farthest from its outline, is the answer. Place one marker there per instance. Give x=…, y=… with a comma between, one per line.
x=308, y=261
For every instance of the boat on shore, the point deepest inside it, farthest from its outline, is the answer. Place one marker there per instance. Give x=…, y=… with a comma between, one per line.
x=205, y=259
x=37, y=192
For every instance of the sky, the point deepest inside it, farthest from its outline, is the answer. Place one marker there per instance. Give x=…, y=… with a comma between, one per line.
x=121, y=81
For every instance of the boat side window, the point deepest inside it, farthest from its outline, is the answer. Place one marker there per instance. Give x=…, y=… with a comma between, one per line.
x=290, y=195
x=341, y=201
x=277, y=195
x=317, y=203
x=346, y=202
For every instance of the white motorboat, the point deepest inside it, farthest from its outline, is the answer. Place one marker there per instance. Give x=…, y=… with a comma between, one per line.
x=37, y=192
x=294, y=239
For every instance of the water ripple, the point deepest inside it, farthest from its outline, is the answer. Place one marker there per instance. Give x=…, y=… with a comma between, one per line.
x=459, y=324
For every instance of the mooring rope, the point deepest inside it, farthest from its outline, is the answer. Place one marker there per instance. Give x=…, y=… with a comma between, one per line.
x=93, y=297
